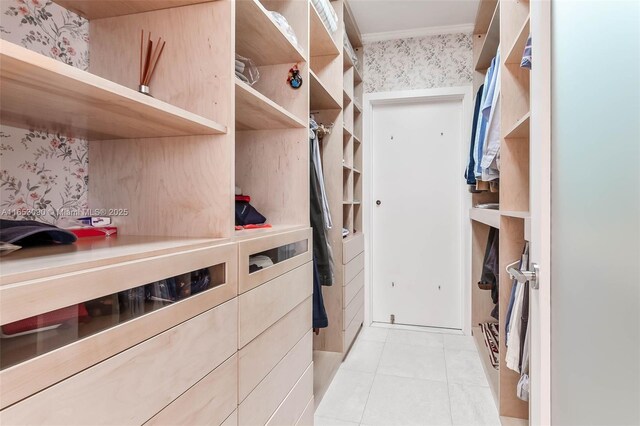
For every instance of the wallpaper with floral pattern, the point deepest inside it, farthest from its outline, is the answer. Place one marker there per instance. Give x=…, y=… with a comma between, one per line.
x=418, y=63
x=39, y=170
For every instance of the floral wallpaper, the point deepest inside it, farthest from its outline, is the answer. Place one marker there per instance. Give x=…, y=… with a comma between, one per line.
x=418, y=63
x=42, y=173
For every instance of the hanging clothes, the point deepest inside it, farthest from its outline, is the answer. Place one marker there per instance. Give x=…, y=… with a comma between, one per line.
x=320, y=318
x=317, y=166
x=524, y=261
x=490, y=268
x=469, y=173
x=321, y=247
x=482, y=122
x=490, y=164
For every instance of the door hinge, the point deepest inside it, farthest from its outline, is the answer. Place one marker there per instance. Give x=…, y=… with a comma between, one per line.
x=392, y=319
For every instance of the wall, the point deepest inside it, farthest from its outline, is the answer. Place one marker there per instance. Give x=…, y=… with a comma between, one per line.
x=40, y=170
x=418, y=63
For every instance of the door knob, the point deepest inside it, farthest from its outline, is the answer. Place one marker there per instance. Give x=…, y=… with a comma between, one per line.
x=524, y=276
x=378, y=202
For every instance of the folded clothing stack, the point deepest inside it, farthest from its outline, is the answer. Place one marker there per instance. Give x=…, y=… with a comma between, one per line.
x=349, y=50
x=286, y=28
x=327, y=14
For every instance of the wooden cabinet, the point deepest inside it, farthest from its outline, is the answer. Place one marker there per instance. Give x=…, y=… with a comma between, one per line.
x=132, y=386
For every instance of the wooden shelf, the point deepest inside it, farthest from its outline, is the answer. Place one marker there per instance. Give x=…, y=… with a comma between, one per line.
x=41, y=92
x=346, y=61
x=347, y=132
x=95, y=9
x=346, y=167
x=489, y=217
x=356, y=171
x=357, y=109
x=491, y=42
x=484, y=15
x=353, y=32
x=357, y=76
x=520, y=130
x=40, y=262
x=357, y=139
x=259, y=37
x=248, y=234
x=322, y=43
x=515, y=53
x=493, y=375
x=320, y=98
x=346, y=97
x=511, y=213
x=254, y=111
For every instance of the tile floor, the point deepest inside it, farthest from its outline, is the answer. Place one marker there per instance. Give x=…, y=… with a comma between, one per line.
x=396, y=377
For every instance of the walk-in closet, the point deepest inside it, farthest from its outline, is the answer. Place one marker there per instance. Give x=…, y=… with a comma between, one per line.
x=319, y=212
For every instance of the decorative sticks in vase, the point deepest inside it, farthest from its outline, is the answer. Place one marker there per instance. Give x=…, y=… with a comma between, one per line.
x=150, y=54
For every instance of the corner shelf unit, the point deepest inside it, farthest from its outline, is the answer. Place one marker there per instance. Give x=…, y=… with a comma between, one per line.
x=503, y=23
x=342, y=164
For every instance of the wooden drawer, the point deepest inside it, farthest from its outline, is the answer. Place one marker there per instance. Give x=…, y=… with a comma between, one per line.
x=133, y=386
x=350, y=311
x=351, y=289
x=53, y=356
x=259, y=357
x=352, y=330
x=210, y=402
x=295, y=403
x=260, y=405
x=353, y=268
x=263, y=306
x=297, y=244
x=307, y=417
x=351, y=247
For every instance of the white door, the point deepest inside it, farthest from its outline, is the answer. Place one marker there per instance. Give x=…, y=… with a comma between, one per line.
x=416, y=216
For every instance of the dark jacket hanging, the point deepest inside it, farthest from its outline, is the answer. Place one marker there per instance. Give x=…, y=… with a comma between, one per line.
x=320, y=243
x=320, y=319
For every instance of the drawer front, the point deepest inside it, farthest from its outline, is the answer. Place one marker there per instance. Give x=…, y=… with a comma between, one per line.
x=54, y=356
x=352, y=247
x=263, y=306
x=351, y=289
x=260, y=405
x=210, y=402
x=352, y=330
x=297, y=244
x=350, y=311
x=264, y=352
x=307, y=417
x=353, y=268
x=295, y=403
x=133, y=386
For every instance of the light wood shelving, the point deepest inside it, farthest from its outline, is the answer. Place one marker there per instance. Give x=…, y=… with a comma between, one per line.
x=92, y=9
x=259, y=37
x=508, y=28
x=322, y=43
x=320, y=97
x=491, y=41
x=81, y=104
x=254, y=111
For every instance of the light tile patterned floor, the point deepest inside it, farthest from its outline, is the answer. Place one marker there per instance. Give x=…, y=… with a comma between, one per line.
x=396, y=377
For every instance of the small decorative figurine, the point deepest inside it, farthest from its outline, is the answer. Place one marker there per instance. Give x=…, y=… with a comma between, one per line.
x=294, y=79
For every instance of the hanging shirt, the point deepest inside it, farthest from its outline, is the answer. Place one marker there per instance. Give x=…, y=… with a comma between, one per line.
x=490, y=164
x=482, y=124
x=469, y=173
x=512, y=356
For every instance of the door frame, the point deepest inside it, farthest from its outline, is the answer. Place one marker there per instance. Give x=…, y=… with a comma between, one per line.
x=370, y=100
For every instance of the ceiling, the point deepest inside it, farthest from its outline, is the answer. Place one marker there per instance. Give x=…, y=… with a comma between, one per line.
x=386, y=19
